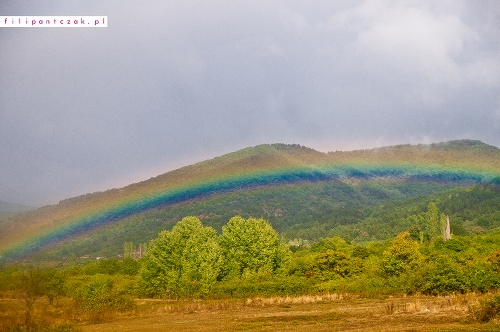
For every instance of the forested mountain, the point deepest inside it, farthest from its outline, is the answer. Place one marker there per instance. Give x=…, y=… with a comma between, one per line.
x=360, y=195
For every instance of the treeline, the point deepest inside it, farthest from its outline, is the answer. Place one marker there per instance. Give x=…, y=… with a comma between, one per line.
x=249, y=258
x=368, y=211
x=472, y=211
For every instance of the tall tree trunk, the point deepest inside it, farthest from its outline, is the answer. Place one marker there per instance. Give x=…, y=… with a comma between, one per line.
x=447, y=233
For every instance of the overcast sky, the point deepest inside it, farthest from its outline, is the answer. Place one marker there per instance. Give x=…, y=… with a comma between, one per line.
x=170, y=83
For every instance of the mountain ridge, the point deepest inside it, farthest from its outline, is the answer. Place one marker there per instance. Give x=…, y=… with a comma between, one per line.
x=264, y=165
x=246, y=152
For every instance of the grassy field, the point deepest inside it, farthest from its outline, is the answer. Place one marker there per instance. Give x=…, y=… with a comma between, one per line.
x=330, y=312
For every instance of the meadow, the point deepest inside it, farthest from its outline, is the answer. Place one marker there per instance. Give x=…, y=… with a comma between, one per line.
x=320, y=312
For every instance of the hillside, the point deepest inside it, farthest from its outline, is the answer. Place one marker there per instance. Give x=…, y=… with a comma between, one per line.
x=295, y=187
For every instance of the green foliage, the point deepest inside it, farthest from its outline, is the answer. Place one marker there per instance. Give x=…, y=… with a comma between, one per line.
x=311, y=211
x=100, y=294
x=96, y=295
x=9, y=278
x=416, y=232
x=358, y=195
x=360, y=252
x=263, y=286
x=433, y=221
x=453, y=245
x=128, y=250
x=332, y=243
x=303, y=263
x=103, y=266
x=32, y=283
x=482, y=278
x=53, y=284
x=337, y=263
x=252, y=247
x=442, y=277
x=130, y=266
x=183, y=262
x=494, y=259
x=176, y=266
x=402, y=255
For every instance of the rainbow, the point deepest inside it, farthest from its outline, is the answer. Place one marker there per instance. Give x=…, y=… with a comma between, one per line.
x=133, y=203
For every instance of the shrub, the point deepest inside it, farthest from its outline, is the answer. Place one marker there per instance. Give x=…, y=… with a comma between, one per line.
x=486, y=310
x=482, y=278
x=130, y=266
x=99, y=295
x=442, y=278
x=103, y=266
x=453, y=244
x=336, y=263
x=402, y=255
x=263, y=286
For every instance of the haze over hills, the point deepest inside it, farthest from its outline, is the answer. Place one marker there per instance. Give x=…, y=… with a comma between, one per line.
x=9, y=210
x=12, y=207
x=301, y=191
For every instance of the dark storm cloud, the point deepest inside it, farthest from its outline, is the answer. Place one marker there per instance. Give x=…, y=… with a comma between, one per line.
x=171, y=83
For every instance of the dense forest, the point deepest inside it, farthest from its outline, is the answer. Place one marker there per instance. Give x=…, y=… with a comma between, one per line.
x=307, y=212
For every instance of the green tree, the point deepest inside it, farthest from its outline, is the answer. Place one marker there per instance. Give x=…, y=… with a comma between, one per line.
x=130, y=266
x=337, y=263
x=31, y=285
x=53, y=284
x=442, y=276
x=402, y=255
x=433, y=221
x=251, y=246
x=128, y=250
x=183, y=262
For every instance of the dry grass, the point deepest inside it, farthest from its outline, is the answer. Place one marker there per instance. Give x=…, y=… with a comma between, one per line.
x=326, y=312
x=58, y=317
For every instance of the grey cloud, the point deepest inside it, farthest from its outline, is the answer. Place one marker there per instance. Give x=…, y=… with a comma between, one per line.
x=169, y=83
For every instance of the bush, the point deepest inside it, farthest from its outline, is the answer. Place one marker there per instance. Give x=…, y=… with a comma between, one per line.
x=401, y=255
x=337, y=263
x=263, y=286
x=99, y=295
x=130, y=267
x=453, y=244
x=482, y=278
x=486, y=310
x=443, y=278
x=103, y=266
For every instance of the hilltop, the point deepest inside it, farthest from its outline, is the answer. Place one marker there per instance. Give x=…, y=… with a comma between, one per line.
x=303, y=192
